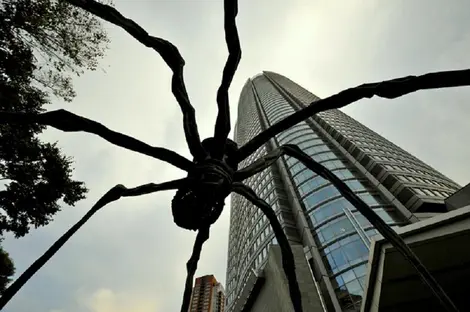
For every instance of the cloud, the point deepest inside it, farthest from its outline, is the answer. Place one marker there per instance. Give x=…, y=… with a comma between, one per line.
x=106, y=300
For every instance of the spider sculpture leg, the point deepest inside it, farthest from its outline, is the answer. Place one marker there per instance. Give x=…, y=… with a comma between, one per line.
x=112, y=195
x=222, y=124
x=387, y=232
x=191, y=266
x=288, y=263
x=389, y=89
x=170, y=55
x=69, y=122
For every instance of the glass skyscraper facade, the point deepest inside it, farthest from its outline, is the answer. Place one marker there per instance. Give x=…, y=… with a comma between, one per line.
x=335, y=237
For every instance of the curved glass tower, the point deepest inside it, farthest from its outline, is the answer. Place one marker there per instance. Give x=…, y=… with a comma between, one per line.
x=335, y=237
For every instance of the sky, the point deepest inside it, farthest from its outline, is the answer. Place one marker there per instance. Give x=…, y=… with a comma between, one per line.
x=131, y=256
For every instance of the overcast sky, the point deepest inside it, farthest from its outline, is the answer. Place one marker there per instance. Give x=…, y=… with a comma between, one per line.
x=130, y=256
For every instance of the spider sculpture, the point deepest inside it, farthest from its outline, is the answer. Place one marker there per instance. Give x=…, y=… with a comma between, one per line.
x=213, y=174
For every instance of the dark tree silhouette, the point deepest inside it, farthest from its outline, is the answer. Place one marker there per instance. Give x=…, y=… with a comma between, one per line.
x=42, y=43
x=36, y=174
x=213, y=174
x=7, y=269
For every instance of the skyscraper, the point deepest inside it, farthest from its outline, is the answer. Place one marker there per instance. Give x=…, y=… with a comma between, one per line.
x=208, y=295
x=334, y=236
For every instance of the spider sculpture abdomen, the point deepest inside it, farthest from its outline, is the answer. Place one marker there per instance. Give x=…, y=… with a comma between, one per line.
x=202, y=202
x=191, y=209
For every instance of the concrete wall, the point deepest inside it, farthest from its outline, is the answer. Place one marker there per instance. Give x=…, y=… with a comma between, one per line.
x=274, y=295
x=393, y=285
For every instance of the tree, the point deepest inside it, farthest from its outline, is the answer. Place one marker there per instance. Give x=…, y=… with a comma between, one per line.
x=66, y=40
x=7, y=269
x=42, y=44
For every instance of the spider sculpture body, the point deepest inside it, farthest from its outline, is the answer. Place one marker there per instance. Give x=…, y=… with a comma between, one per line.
x=210, y=182
x=214, y=174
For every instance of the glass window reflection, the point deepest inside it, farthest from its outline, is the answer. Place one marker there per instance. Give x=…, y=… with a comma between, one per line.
x=305, y=145
x=324, y=156
x=343, y=174
x=370, y=199
x=334, y=229
x=303, y=176
x=355, y=185
x=354, y=288
x=297, y=168
x=347, y=252
x=328, y=210
x=321, y=195
x=334, y=164
x=312, y=184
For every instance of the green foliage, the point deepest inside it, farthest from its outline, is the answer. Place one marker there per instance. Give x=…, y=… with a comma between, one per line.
x=42, y=43
x=7, y=269
x=65, y=39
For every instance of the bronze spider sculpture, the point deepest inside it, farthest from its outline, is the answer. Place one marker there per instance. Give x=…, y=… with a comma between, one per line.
x=213, y=174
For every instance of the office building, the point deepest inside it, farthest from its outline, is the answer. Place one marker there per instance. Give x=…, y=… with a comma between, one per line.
x=208, y=295
x=334, y=237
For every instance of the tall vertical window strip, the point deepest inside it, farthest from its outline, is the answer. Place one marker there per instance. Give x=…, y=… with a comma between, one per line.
x=240, y=246
x=341, y=233
x=250, y=232
x=301, y=94
x=254, y=232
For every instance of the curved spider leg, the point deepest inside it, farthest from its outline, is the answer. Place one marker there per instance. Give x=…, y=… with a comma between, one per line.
x=170, y=55
x=112, y=195
x=389, y=89
x=191, y=266
x=288, y=263
x=222, y=124
x=69, y=122
x=258, y=165
x=383, y=228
